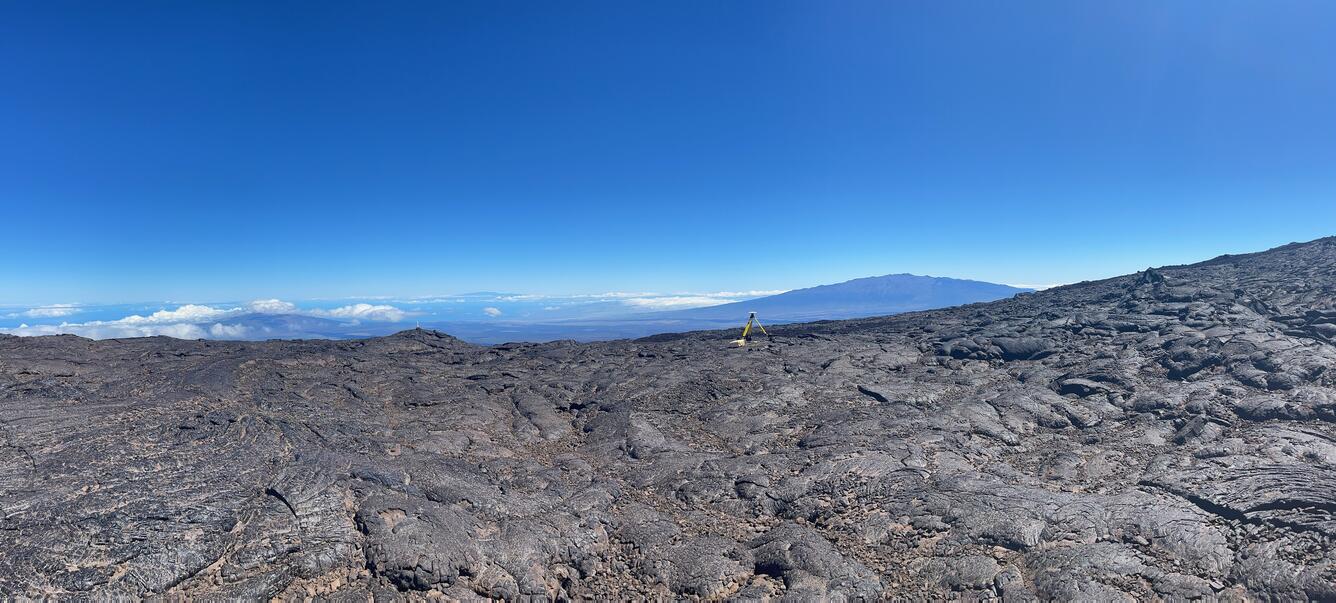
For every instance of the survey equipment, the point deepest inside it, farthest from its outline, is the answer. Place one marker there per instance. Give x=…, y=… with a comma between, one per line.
x=747, y=329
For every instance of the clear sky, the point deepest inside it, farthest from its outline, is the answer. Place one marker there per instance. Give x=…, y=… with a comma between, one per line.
x=238, y=150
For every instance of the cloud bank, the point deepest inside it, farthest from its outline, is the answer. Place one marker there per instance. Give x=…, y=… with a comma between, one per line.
x=637, y=300
x=192, y=321
x=111, y=330
x=272, y=306
x=236, y=321
x=693, y=300
x=189, y=313
x=51, y=311
x=382, y=313
x=1040, y=287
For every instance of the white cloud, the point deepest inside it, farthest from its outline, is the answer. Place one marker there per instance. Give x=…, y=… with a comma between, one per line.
x=272, y=306
x=747, y=294
x=620, y=294
x=382, y=313
x=684, y=300
x=358, y=311
x=587, y=298
x=610, y=295
x=223, y=331
x=51, y=311
x=110, y=330
x=1040, y=287
x=189, y=321
x=433, y=300
x=179, y=323
x=187, y=313
x=678, y=301
x=194, y=321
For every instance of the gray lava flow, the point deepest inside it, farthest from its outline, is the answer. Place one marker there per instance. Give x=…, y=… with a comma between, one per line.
x=1169, y=434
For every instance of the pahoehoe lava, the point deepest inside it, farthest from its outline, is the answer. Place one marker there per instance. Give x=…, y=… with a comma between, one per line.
x=1168, y=434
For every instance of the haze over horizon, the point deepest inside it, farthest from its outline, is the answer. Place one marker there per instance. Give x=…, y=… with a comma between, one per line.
x=493, y=316
x=186, y=151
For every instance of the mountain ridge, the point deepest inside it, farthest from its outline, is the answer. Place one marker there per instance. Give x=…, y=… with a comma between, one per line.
x=854, y=298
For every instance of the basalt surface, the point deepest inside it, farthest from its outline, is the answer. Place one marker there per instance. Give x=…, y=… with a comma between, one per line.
x=1169, y=434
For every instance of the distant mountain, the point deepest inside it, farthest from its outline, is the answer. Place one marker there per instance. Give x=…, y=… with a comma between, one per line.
x=874, y=296
x=871, y=296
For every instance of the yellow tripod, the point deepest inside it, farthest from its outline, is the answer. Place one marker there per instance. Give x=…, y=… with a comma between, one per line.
x=746, y=330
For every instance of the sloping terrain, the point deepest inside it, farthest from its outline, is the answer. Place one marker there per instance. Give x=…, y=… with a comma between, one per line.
x=1169, y=434
x=861, y=297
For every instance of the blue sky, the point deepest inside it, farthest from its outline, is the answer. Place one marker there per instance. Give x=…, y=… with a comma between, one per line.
x=239, y=150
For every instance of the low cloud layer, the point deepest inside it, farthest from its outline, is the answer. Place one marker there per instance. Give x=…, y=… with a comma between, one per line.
x=640, y=300
x=193, y=321
x=238, y=321
x=189, y=313
x=112, y=330
x=693, y=300
x=382, y=313
x=272, y=306
x=51, y=311
x=1040, y=287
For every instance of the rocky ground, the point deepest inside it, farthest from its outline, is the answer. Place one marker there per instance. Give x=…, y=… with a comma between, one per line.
x=1164, y=435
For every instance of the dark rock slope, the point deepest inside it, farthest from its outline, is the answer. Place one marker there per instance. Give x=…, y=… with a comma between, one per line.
x=1169, y=434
